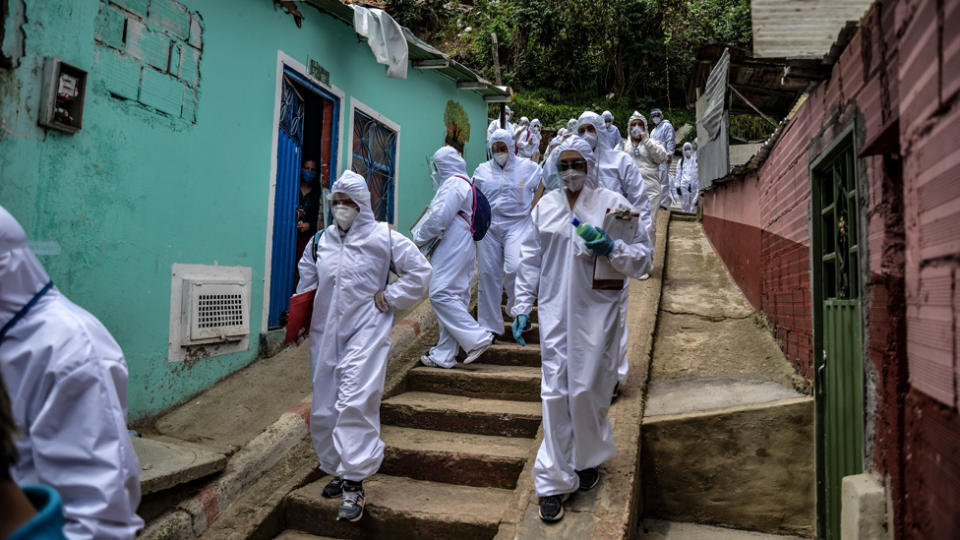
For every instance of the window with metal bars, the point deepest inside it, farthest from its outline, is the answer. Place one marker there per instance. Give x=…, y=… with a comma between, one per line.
x=375, y=158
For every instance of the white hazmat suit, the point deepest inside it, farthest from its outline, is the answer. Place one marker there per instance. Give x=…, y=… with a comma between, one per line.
x=495, y=123
x=67, y=381
x=510, y=190
x=349, y=336
x=580, y=327
x=688, y=180
x=664, y=133
x=618, y=173
x=611, y=133
x=529, y=140
x=454, y=260
x=647, y=155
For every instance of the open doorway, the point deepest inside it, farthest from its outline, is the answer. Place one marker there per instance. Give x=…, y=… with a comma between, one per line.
x=307, y=132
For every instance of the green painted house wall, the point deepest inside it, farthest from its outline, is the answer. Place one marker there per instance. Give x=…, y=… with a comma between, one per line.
x=150, y=181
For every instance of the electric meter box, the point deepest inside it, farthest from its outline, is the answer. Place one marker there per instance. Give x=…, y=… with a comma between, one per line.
x=62, y=96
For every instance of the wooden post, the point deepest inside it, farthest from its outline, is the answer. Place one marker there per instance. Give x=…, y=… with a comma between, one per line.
x=495, y=53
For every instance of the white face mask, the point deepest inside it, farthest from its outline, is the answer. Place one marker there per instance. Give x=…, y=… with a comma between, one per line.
x=501, y=158
x=635, y=131
x=607, y=123
x=591, y=139
x=573, y=179
x=656, y=120
x=344, y=216
x=687, y=154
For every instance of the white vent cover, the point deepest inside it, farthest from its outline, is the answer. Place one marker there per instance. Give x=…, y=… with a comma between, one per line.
x=216, y=310
x=209, y=311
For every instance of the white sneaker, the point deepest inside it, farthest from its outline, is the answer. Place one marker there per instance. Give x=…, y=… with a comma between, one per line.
x=425, y=360
x=645, y=276
x=476, y=353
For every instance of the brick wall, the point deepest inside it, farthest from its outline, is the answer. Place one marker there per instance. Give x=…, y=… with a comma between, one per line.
x=899, y=75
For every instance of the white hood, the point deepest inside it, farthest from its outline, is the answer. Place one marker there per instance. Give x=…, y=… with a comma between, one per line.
x=21, y=274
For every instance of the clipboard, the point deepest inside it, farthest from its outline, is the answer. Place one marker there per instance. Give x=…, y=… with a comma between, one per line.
x=299, y=315
x=428, y=247
x=620, y=225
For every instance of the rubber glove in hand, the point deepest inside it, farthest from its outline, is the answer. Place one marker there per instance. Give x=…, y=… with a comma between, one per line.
x=520, y=324
x=601, y=246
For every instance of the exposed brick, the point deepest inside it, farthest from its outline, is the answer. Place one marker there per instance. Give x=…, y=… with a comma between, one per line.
x=161, y=92
x=951, y=49
x=196, y=31
x=110, y=26
x=918, y=68
x=120, y=73
x=144, y=44
x=190, y=66
x=190, y=99
x=171, y=16
x=136, y=6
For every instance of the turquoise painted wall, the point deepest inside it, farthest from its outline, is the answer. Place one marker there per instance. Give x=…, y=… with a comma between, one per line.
x=135, y=191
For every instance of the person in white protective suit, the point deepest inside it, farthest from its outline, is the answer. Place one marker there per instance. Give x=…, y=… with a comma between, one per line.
x=495, y=123
x=687, y=181
x=350, y=334
x=67, y=381
x=618, y=173
x=529, y=141
x=454, y=260
x=647, y=154
x=509, y=183
x=664, y=134
x=580, y=327
x=610, y=131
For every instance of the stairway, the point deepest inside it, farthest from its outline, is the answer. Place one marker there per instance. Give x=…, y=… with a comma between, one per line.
x=456, y=442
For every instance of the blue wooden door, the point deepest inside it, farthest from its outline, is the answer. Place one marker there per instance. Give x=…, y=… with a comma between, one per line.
x=289, y=155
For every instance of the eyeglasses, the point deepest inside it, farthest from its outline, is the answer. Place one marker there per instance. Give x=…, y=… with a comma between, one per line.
x=579, y=164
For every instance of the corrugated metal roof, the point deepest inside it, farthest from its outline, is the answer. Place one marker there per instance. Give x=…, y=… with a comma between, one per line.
x=421, y=51
x=800, y=28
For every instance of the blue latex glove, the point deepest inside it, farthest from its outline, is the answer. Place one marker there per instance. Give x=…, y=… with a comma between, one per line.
x=601, y=246
x=521, y=323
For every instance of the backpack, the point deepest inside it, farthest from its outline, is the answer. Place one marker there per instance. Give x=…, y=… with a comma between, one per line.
x=481, y=211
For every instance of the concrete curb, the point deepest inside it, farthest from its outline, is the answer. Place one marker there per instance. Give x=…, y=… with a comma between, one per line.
x=614, y=511
x=191, y=518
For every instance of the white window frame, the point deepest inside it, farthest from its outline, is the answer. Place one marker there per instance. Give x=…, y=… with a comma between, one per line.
x=285, y=60
x=356, y=105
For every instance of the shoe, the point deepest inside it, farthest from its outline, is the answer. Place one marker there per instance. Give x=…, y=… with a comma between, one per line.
x=334, y=488
x=425, y=360
x=551, y=508
x=616, y=392
x=643, y=277
x=476, y=353
x=589, y=478
x=351, y=507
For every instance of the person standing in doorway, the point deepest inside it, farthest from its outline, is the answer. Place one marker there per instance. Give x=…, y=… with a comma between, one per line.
x=308, y=207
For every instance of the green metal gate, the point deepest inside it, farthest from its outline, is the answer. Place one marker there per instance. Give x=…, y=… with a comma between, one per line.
x=837, y=330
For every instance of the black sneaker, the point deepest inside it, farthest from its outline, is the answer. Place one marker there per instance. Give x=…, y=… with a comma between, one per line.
x=334, y=488
x=551, y=508
x=589, y=478
x=351, y=507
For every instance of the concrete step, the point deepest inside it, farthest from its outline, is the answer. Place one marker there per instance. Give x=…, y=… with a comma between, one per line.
x=445, y=412
x=511, y=354
x=521, y=383
x=300, y=535
x=532, y=335
x=454, y=458
x=402, y=508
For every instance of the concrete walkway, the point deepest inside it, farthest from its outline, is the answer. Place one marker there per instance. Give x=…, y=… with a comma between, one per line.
x=728, y=427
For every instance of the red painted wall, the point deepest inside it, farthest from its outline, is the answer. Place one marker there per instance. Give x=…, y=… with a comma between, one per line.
x=903, y=64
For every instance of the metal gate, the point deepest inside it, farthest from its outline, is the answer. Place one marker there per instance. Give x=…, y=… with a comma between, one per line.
x=839, y=369
x=289, y=154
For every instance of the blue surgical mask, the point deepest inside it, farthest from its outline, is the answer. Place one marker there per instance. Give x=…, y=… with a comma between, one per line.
x=307, y=175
